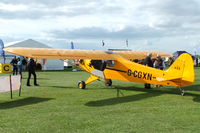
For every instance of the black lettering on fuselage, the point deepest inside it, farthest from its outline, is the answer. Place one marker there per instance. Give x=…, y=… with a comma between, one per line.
x=140, y=74
x=135, y=73
x=144, y=75
x=129, y=72
x=149, y=77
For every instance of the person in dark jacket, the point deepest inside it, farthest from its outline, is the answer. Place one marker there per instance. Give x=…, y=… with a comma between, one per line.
x=14, y=64
x=24, y=64
x=159, y=64
x=31, y=70
x=148, y=62
x=171, y=61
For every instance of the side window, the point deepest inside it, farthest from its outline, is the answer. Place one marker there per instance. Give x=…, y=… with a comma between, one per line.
x=99, y=64
x=110, y=63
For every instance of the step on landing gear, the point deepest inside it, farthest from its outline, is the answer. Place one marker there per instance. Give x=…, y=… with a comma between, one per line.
x=81, y=85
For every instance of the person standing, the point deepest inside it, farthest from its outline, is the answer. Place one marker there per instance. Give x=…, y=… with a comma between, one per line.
x=159, y=64
x=19, y=65
x=197, y=62
x=31, y=70
x=14, y=64
x=24, y=63
x=171, y=61
x=148, y=62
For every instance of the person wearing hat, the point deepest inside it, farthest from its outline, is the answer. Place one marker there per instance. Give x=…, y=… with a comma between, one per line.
x=148, y=62
x=158, y=64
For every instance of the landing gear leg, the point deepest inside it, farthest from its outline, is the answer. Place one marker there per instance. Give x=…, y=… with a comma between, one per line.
x=108, y=82
x=182, y=91
x=82, y=84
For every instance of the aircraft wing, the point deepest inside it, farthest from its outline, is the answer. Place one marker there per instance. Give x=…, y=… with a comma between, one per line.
x=50, y=53
x=135, y=54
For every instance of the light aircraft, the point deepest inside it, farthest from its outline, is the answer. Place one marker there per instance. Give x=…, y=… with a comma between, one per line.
x=116, y=65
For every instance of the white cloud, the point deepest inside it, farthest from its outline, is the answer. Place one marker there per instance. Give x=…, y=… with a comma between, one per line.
x=12, y=8
x=154, y=24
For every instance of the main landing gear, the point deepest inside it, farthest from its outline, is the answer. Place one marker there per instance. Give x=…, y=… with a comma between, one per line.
x=182, y=91
x=81, y=85
x=108, y=82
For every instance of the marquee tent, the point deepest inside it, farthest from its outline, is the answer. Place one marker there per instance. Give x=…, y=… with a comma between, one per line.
x=49, y=64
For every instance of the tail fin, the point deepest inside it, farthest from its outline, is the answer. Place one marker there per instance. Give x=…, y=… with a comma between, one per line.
x=182, y=70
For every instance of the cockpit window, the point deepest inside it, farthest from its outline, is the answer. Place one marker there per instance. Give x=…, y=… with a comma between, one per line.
x=110, y=63
x=99, y=64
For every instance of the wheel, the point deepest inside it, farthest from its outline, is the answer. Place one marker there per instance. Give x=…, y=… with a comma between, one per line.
x=81, y=85
x=109, y=83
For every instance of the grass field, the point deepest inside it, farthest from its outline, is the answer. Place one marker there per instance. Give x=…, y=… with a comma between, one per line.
x=58, y=106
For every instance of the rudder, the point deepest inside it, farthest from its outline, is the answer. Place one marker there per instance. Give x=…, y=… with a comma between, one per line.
x=182, y=70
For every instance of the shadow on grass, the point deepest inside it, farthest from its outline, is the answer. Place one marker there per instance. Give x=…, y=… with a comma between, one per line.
x=118, y=100
x=25, y=78
x=148, y=93
x=23, y=102
x=64, y=87
x=192, y=88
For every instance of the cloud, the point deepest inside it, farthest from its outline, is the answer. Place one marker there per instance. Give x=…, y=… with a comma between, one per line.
x=100, y=33
x=150, y=24
x=145, y=32
x=47, y=2
x=170, y=13
x=38, y=9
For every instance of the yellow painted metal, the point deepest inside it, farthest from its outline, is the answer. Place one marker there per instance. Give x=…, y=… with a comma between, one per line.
x=50, y=53
x=181, y=73
x=91, y=79
x=136, y=54
x=5, y=68
x=106, y=81
x=86, y=65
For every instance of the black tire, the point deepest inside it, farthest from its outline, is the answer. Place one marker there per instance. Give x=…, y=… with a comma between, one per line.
x=109, y=83
x=81, y=85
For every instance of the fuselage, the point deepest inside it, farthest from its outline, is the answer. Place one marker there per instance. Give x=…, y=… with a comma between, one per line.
x=179, y=74
x=126, y=71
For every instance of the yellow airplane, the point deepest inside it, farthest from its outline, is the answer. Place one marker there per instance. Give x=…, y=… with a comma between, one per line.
x=116, y=65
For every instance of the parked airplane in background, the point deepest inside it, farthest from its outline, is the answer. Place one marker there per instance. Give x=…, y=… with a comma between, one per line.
x=116, y=65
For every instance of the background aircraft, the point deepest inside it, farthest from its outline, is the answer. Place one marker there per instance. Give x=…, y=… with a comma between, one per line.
x=116, y=65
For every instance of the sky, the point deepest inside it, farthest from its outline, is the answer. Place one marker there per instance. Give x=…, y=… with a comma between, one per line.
x=167, y=25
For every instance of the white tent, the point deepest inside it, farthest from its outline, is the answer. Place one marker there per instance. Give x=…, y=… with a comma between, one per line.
x=49, y=64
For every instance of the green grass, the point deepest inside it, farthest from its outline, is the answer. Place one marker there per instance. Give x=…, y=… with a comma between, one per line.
x=58, y=106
